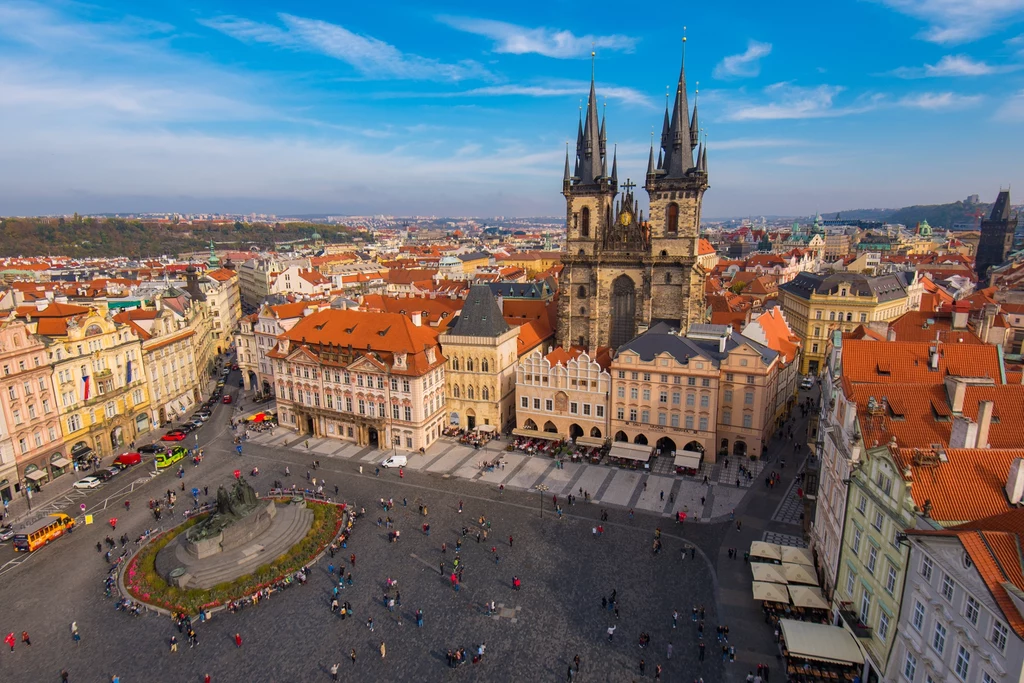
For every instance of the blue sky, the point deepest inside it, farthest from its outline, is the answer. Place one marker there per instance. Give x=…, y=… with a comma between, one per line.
x=464, y=108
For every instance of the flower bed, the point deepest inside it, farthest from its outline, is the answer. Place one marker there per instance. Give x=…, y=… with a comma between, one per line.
x=143, y=583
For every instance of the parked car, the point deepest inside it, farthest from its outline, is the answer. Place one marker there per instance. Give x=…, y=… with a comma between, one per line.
x=152, y=448
x=234, y=366
x=6, y=533
x=227, y=398
x=187, y=427
x=87, y=483
x=395, y=461
x=106, y=473
x=174, y=435
x=202, y=416
x=807, y=382
x=126, y=460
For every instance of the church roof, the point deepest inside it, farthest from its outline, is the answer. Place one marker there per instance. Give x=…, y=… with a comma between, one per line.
x=481, y=316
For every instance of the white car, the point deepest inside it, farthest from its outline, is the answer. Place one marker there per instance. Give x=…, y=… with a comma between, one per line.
x=395, y=461
x=87, y=483
x=807, y=382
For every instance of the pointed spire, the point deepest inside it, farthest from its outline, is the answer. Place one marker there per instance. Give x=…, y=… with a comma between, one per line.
x=700, y=151
x=694, y=126
x=592, y=165
x=650, y=161
x=661, y=160
x=678, y=153
x=704, y=155
x=615, y=165
x=567, y=177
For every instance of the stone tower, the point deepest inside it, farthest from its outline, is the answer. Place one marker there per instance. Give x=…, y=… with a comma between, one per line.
x=623, y=273
x=996, y=236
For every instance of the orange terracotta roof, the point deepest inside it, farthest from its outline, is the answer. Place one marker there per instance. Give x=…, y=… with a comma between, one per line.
x=779, y=337
x=437, y=312
x=704, y=247
x=907, y=361
x=222, y=274
x=923, y=326
x=967, y=487
x=54, y=310
x=292, y=310
x=532, y=333
x=519, y=311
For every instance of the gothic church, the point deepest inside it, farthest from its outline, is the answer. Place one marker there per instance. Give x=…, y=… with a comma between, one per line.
x=624, y=273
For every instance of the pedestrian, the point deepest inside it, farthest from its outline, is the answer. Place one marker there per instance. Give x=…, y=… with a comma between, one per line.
x=460, y=506
x=657, y=672
x=383, y=650
x=75, y=635
x=509, y=541
x=668, y=654
x=63, y=676
x=238, y=640
x=611, y=632
x=576, y=662
x=663, y=496
x=643, y=666
x=334, y=671
x=568, y=675
x=675, y=618
x=701, y=648
x=10, y=640
x=369, y=624
x=352, y=656
x=419, y=618
x=174, y=643
x=206, y=678
x=25, y=638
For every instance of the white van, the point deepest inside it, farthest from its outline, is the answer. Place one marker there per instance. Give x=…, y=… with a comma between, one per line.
x=395, y=461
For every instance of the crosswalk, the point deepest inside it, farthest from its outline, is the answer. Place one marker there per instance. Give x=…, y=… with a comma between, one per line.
x=659, y=490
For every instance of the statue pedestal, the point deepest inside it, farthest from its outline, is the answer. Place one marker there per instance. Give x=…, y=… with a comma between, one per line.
x=237, y=533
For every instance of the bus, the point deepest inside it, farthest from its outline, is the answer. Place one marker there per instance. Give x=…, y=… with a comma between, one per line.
x=166, y=459
x=42, y=532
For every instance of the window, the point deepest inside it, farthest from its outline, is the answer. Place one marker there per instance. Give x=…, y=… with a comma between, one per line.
x=850, y=579
x=748, y=420
x=878, y=521
x=394, y=384
x=706, y=382
x=910, y=667
x=536, y=404
x=362, y=407
x=865, y=607
x=972, y=609
x=948, y=585
x=728, y=377
x=12, y=393
x=817, y=330
x=890, y=579
x=17, y=416
x=691, y=381
x=663, y=397
x=727, y=396
x=963, y=662
x=549, y=405
x=814, y=348
x=408, y=413
x=574, y=407
x=23, y=445
x=647, y=377
x=705, y=401
x=74, y=423
x=939, y=638
x=348, y=408
x=817, y=315
x=620, y=414
x=999, y=634
x=986, y=678
x=691, y=400
x=632, y=414
x=672, y=222
x=586, y=409
x=405, y=385
x=917, y=620
x=600, y=411
x=621, y=392
x=727, y=417
x=647, y=394
x=675, y=420
x=645, y=416
x=856, y=541
x=664, y=379
x=689, y=421
x=585, y=222
x=748, y=398
x=524, y=402
x=702, y=424
x=634, y=393
x=662, y=419
x=872, y=558
x=926, y=568
x=883, y=625
x=863, y=317
x=675, y=398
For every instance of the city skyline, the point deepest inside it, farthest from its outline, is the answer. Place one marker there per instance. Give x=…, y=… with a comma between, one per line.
x=292, y=108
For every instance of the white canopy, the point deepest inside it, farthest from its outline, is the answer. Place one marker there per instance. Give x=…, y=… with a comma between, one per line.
x=631, y=451
x=798, y=573
x=589, y=441
x=807, y=596
x=807, y=640
x=771, y=573
x=769, y=551
x=797, y=556
x=689, y=459
x=772, y=592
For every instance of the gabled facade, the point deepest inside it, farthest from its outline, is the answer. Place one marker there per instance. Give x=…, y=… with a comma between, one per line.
x=564, y=393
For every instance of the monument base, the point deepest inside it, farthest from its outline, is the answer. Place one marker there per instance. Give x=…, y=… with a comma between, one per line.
x=236, y=534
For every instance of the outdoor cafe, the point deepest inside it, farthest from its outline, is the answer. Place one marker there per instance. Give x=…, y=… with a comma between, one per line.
x=819, y=653
x=630, y=455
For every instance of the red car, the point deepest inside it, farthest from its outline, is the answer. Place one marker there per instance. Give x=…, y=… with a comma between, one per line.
x=173, y=435
x=234, y=366
x=227, y=398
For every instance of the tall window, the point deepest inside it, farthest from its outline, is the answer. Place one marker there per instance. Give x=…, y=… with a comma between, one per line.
x=963, y=661
x=484, y=366
x=672, y=219
x=585, y=222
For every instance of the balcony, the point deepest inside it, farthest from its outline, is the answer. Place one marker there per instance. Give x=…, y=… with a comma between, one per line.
x=853, y=621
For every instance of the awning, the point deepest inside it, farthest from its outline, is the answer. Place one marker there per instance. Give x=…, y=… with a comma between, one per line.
x=631, y=451
x=768, y=551
x=590, y=441
x=689, y=459
x=820, y=642
x=81, y=454
x=60, y=462
x=534, y=434
x=797, y=556
x=772, y=592
x=807, y=596
x=768, y=573
x=485, y=428
x=36, y=475
x=798, y=573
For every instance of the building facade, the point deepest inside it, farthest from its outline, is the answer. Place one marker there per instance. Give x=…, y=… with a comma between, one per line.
x=564, y=393
x=481, y=370
x=624, y=273
x=372, y=379
x=224, y=299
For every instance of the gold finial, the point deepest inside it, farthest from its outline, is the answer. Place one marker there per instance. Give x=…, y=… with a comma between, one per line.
x=593, y=55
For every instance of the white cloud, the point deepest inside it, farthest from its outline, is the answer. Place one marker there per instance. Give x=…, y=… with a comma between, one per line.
x=788, y=101
x=936, y=101
x=952, y=66
x=746, y=64
x=369, y=56
x=958, y=21
x=520, y=40
x=754, y=143
x=1012, y=110
x=552, y=88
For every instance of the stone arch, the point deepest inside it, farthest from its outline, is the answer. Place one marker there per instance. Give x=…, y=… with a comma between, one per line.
x=621, y=436
x=667, y=445
x=739, y=448
x=550, y=427
x=455, y=363
x=469, y=391
x=485, y=366
x=455, y=391
x=469, y=365
x=530, y=424
x=595, y=432
x=575, y=430
x=485, y=393
x=695, y=446
x=640, y=439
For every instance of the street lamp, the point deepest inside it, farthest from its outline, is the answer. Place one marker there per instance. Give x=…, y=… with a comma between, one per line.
x=541, y=488
x=28, y=492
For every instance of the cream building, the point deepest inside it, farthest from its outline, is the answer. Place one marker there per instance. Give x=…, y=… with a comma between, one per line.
x=223, y=296
x=563, y=395
x=258, y=335
x=481, y=370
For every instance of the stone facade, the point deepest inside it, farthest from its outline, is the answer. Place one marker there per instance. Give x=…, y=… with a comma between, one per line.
x=564, y=393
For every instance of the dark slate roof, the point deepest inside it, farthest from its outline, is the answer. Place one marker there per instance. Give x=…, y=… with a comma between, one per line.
x=662, y=339
x=521, y=290
x=1001, y=209
x=481, y=316
x=885, y=287
x=475, y=256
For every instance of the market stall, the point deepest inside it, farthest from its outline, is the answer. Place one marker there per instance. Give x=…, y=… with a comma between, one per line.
x=819, y=652
x=770, y=592
x=688, y=462
x=631, y=455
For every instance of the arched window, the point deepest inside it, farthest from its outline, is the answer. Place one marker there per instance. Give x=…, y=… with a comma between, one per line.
x=668, y=278
x=583, y=311
x=585, y=222
x=455, y=363
x=484, y=365
x=581, y=292
x=469, y=391
x=469, y=364
x=485, y=393
x=672, y=223
x=455, y=390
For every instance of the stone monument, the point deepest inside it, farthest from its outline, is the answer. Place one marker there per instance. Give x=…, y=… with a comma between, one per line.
x=239, y=518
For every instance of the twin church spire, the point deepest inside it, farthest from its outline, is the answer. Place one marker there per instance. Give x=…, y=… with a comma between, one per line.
x=591, y=167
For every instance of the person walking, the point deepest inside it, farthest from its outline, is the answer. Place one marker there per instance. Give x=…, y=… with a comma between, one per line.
x=643, y=666
x=64, y=676
x=75, y=635
x=576, y=662
x=419, y=618
x=568, y=675
x=668, y=654
x=509, y=541
x=25, y=639
x=383, y=650
x=238, y=640
x=700, y=646
x=657, y=672
x=352, y=656
x=611, y=632
x=10, y=640
x=334, y=671
x=174, y=643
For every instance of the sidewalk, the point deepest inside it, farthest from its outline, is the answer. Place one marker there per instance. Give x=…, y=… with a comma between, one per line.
x=753, y=638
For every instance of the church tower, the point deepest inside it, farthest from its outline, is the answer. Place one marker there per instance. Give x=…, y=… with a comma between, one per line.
x=589, y=195
x=676, y=185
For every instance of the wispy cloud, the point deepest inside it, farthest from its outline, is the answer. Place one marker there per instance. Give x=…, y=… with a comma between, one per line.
x=952, y=66
x=553, y=88
x=520, y=40
x=788, y=101
x=746, y=64
x=938, y=101
x=958, y=21
x=755, y=143
x=1012, y=109
x=371, y=57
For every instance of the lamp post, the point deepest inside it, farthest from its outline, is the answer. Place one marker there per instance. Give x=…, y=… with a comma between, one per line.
x=541, y=488
x=28, y=492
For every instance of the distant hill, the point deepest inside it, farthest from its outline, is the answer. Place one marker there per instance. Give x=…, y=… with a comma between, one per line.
x=938, y=215
x=79, y=237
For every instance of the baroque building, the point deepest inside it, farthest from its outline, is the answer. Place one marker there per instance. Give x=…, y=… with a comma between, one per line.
x=624, y=273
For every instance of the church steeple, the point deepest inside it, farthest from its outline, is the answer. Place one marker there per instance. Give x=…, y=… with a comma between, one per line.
x=615, y=166
x=590, y=151
x=694, y=126
x=678, y=150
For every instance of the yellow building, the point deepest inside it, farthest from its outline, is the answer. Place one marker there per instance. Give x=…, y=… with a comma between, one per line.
x=815, y=305
x=481, y=371
x=98, y=377
x=533, y=262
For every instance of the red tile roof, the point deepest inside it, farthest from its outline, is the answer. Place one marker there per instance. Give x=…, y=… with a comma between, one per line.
x=906, y=362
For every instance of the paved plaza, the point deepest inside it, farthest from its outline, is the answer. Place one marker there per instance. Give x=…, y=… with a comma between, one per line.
x=565, y=572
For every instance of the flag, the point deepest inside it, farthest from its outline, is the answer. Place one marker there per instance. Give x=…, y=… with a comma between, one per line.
x=85, y=387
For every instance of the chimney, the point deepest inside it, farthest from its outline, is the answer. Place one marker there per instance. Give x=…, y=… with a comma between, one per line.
x=933, y=358
x=41, y=304
x=1015, y=482
x=985, y=409
x=956, y=388
x=960, y=311
x=417, y=319
x=891, y=335
x=721, y=343
x=988, y=319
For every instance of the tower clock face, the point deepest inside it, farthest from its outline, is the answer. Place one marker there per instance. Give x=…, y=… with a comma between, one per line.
x=625, y=218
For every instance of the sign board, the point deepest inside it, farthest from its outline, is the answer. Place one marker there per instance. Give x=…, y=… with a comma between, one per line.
x=88, y=519
x=82, y=507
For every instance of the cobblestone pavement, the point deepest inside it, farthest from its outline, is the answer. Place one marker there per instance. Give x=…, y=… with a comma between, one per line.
x=293, y=637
